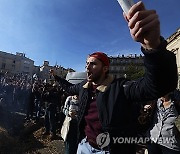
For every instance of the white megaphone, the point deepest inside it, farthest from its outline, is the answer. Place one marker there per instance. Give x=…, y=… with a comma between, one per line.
x=126, y=4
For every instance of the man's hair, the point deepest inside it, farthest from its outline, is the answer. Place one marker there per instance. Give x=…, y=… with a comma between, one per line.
x=102, y=57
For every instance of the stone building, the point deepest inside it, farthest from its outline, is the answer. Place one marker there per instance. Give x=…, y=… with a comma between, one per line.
x=120, y=64
x=14, y=64
x=44, y=70
x=174, y=46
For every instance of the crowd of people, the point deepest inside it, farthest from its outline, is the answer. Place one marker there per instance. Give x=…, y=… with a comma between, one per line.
x=14, y=89
x=38, y=99
x=34, y=97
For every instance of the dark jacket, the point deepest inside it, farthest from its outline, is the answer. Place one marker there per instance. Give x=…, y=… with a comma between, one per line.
x=115, y=96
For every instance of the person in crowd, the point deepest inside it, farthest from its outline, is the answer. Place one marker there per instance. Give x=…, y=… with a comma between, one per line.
x=70, y=109
x=37, y=102
x=51, y=97
x=18, y=94
x=15, y=94
x=8, y=88
x=29, y=103
x=64, y=96
x=105, y=103
x=22, y=95
x=164, y=135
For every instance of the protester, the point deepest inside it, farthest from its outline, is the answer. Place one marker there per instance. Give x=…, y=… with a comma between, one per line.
x=164, y=135
x=70, y=109
x=30, y=103
x=51, y=96
x=105, y=103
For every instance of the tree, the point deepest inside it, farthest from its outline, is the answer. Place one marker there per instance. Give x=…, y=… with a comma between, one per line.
x=133, y=72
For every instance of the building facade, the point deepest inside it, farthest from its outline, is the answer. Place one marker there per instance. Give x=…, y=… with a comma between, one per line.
x=19, y=64
x=174, y=46
x=45, y=68
x=15, y=64
x=119, y=65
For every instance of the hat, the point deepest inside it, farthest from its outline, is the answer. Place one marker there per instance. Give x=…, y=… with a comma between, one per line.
x=101, y=56
x=76, y=77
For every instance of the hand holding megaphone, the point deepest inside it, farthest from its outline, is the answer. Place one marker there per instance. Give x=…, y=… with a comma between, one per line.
x=126, y=5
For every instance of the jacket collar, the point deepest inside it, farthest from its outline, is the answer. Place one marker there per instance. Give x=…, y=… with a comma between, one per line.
x=104, y=84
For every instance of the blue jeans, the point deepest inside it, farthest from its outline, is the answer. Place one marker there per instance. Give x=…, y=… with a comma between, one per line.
x=85, y=148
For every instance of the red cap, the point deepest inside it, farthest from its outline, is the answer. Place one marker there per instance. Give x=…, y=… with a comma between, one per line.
x=101, y=56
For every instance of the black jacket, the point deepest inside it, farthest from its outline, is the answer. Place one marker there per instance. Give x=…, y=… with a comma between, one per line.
x=115, y=96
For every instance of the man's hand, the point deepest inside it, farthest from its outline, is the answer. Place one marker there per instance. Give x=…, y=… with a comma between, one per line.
x=72, y=113
x=144, y=26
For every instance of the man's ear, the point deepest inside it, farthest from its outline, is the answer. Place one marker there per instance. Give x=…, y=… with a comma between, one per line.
x=106, y=68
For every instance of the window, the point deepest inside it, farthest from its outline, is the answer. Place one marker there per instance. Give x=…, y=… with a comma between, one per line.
x=13, y=66
x=3, y=65
x=26, y=68
x=26, y=62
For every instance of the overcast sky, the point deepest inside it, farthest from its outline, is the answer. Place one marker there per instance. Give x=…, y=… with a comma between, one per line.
x=66, y=31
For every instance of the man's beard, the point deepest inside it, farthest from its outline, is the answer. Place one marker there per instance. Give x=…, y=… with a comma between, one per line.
x=95, y=77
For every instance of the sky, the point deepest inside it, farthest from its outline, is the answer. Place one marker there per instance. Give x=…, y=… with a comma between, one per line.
x=64, y=32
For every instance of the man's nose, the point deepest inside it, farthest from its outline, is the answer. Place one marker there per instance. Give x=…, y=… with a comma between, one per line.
x=87, y=66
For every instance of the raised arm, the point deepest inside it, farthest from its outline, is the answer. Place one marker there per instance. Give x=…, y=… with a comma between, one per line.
x=67, y=86
x=160, y=65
